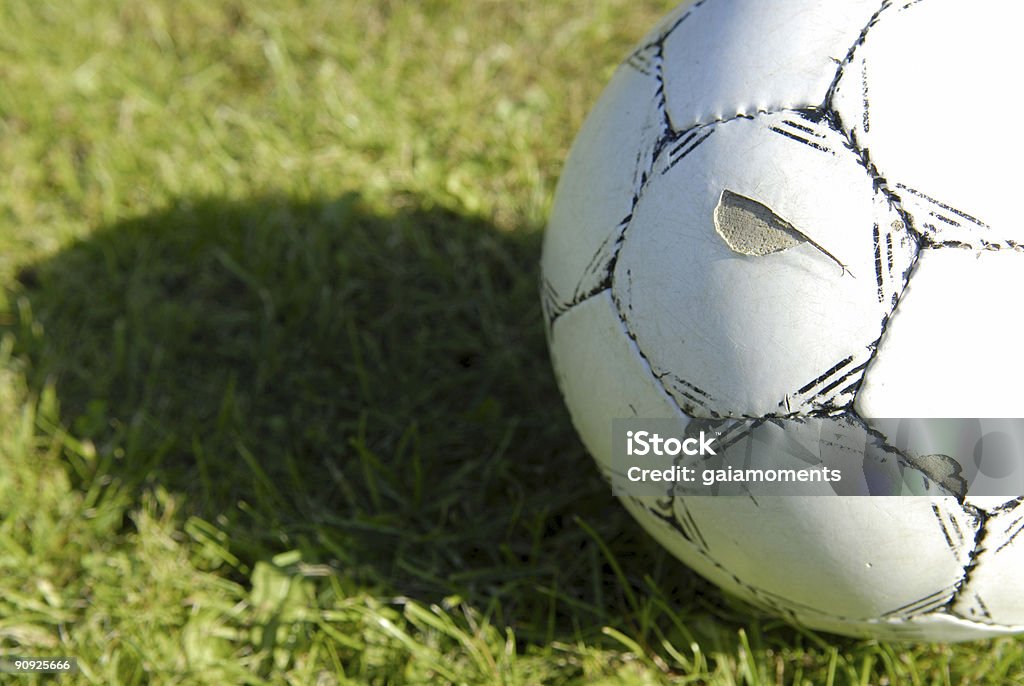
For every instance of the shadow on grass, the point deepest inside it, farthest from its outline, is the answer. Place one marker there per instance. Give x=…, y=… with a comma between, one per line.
x=372, y=391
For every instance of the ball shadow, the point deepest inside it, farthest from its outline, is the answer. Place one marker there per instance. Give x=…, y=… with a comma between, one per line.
x=370, y=389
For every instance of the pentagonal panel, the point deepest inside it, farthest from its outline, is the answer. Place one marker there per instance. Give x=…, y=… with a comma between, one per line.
x=732, y=331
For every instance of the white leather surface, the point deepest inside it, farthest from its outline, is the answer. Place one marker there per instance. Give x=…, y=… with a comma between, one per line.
x=933, y=94
x=952, y=345
x=743, y=56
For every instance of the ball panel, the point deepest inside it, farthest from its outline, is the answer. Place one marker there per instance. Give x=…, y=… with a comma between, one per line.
x=584, y=341
x=723, y=323
x=746, y=56
x=948, y=347
x=605, y=169
x=781, y=545
x=930, y=626
x=941, y=65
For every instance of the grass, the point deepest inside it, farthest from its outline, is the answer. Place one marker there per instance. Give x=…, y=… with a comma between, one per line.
x=275, y=404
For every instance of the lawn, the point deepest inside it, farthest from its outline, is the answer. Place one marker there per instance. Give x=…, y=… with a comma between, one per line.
x=275, y=402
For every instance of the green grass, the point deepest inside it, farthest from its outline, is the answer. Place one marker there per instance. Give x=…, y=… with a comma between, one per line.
x=275, y=404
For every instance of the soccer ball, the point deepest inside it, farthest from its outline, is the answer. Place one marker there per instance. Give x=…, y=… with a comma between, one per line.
x=781, y=211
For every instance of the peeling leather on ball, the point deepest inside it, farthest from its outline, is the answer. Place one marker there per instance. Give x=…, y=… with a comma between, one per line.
x=943, y=470
x=752, y=228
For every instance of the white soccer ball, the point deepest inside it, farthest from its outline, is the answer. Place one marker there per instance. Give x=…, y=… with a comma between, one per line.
x=808, y=208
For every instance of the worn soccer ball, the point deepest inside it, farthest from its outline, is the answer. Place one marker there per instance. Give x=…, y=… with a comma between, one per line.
x=808, y=209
